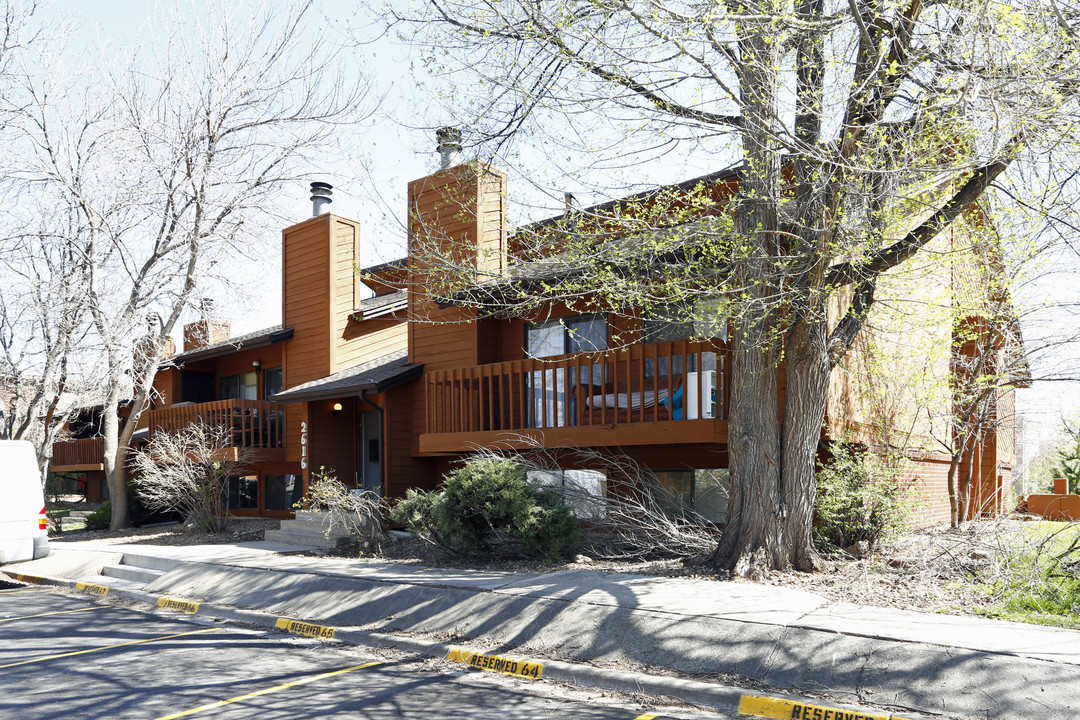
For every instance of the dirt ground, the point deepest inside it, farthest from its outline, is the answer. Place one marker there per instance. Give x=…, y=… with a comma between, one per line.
x=936, y=570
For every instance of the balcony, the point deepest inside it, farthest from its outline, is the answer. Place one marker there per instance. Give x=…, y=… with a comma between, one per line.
x=648, y=394
x=79, y=455
x=252, y=423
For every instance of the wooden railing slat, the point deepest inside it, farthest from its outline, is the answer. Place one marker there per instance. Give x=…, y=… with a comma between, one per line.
x=253, y=423
x=519, y=394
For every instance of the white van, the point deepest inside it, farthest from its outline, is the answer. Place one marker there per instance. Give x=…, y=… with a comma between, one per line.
x=24, y=531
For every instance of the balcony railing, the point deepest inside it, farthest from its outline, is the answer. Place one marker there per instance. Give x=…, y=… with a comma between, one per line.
x=252, y=423
x=677, y=380
x=79, y=453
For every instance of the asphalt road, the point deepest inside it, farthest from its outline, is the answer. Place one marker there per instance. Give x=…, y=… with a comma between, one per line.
x=73, y=657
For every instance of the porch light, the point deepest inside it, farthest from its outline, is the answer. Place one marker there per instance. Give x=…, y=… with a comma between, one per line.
x=257, y=365
x=336, y=409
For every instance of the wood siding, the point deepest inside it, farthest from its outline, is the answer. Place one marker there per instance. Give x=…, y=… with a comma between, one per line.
x=333, y=440
x=370, y=340
x=460, y=215
x=403, y=469
x=79, y=455
x=305, y=293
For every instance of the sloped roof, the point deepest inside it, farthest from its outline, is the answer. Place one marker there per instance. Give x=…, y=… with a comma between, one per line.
x=259, y=338
x=380, y=305
x=379, y=375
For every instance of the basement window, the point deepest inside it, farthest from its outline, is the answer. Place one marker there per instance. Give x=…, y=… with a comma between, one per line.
x=583, y=490
x=283, y=491
x=704, y=491
x=244, y=492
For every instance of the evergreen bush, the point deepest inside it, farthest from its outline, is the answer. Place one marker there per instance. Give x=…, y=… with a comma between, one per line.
x=101, y=518
x=486, y=502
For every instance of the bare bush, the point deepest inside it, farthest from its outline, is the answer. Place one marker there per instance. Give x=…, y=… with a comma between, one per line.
x=636, y=522
x=361, y=514
x=188, y=471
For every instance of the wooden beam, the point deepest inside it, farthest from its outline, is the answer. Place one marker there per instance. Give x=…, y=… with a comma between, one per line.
x=671, y=432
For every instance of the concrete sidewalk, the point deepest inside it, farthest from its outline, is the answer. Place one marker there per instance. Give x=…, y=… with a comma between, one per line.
x=789, y=639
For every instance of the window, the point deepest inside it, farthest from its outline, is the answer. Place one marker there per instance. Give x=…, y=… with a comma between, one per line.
x=678, y=321
x=244, y=493
x=283, y=491
x=583, y=490
x=683, y=320
x=673, y=321
x=239, y=387
x=271, y=382
x=579, y=333
x=703, y=490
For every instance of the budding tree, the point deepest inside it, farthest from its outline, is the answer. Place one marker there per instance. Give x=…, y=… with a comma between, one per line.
x=863, y=130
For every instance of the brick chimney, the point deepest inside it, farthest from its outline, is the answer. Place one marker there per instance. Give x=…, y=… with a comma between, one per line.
x=205, y=331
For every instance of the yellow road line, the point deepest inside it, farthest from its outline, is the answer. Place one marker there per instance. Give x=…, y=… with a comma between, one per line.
x=267, y=691
x=646, y=716
x=20, y=592
x=107, y=647
x=55, y=612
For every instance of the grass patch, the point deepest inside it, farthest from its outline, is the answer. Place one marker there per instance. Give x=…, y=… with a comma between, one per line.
x=1037, y=579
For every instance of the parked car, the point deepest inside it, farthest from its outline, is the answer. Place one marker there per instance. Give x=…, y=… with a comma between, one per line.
x=24, y=531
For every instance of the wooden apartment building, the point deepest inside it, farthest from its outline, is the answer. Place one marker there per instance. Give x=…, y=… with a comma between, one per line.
x=372, y=377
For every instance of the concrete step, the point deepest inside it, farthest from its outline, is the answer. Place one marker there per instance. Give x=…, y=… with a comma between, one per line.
x=115, y=582
x=134, y=574
x=310, y=528
x=310, y=539
x=72, y=521
x=316, y=517
x=81, y=514
x=149, y=562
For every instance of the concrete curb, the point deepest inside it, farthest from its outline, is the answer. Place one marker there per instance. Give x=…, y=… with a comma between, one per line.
x=723, y=698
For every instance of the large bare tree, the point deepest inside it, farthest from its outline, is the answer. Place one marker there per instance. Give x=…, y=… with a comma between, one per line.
x=862, y=130
x=171, y=157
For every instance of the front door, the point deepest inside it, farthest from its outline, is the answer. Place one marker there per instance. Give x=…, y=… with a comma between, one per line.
x=371, y=451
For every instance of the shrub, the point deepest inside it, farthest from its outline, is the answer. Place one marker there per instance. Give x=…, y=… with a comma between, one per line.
x=861, y=497
x=101, y=518
x=487, y=501
x=185, y=471
x=361, y=514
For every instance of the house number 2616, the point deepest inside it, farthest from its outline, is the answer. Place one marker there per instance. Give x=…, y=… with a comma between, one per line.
x=303, y=445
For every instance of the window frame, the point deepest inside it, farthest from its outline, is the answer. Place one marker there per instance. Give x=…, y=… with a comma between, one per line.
x=567, y=322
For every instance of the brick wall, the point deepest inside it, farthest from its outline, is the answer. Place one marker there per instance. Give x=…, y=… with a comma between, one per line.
x=931, y=477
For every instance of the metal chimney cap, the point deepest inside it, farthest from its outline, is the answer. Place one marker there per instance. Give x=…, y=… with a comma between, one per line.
x=449, y=146
x=449, y=137
x=320, y=197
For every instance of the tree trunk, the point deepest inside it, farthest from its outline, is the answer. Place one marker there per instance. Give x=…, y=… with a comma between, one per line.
x=115, y=459
x=752, y=539
x=975, y=456
x=954, y=492
x=965, y=486
x=807, y=372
